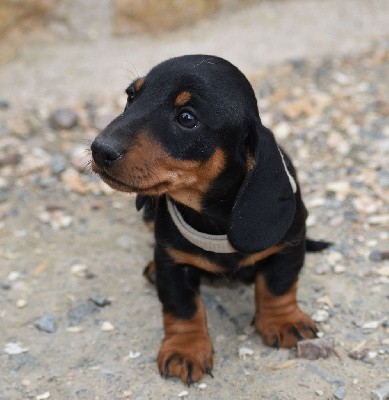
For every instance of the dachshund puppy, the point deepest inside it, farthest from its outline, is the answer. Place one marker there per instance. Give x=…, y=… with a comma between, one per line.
x=224, y=198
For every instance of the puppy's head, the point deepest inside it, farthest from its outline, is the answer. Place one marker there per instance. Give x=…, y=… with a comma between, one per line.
x=191, y=122
x=181, y=124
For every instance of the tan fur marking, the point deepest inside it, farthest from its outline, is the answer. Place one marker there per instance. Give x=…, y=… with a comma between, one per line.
x=186, y=342
x=277, y=316
x=253, y=258
x=250, y=162
x=181, y=257
x=139, y=83
x=182, y=98
x=146, y=168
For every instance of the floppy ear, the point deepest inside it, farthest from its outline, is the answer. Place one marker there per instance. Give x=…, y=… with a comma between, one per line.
x=265, y=205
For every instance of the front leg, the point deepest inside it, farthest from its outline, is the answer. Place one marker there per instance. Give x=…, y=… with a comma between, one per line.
x=186, y=349
x=278, y=317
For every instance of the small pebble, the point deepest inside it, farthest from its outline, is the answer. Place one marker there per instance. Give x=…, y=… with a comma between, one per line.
x=81, y=271
x=244, y=352
x=74, y=329
x=13, y=348
x=202, y=386
x=372, y=354
x=312, y=349
x=372, y=325
x=46, y=324
x=358, y=354
x=20, y=303
x=381, y=392
x=58, y=164
x=63, y=118
x=340, y=393
x=106, y=326
x=133, y=354
x=339, y=269
x=79, y=158
x=320, y=315
x=43, y=396
x=375, y=255
x=319, y=392
x=13, y=275
x=100, y=301
x=5, y=285
x=184, y=393
x=4, y=104
x=80, y=312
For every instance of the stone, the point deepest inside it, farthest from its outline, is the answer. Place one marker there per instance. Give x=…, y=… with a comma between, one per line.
x=4, y=104
x=46, y=324
x=80, y=312
x=100, y=301
x=375, y=255
x=320, y=316
x=58, y=164
x=135, y=16
x=340, y=393
x=80, y=158
x=381, y=392
x=312, y=349
x=63, y=118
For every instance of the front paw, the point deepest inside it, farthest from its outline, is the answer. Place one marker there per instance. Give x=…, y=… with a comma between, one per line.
x=285, y=330
x=186, y=355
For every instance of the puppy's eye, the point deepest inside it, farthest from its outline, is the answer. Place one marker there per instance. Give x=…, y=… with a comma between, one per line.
x=187, y=120
x=130, y=97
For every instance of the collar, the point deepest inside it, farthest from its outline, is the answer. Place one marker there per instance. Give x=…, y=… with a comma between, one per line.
x=207, y=242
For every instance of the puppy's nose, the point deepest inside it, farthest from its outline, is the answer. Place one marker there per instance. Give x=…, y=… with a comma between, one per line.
x=104, y=154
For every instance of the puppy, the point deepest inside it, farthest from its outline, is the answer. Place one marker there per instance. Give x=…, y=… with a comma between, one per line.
x=224, y=198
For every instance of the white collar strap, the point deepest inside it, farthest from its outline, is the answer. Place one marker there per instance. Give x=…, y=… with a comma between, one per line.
x=207, y=242
x=291, y=179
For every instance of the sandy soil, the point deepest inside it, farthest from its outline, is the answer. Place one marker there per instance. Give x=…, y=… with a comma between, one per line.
x=45, y=270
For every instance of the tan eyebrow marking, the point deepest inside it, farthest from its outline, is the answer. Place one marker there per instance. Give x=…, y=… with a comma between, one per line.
x=182, y=98
x=139, y=83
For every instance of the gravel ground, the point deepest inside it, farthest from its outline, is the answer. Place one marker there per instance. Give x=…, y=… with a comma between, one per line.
x=78, y=320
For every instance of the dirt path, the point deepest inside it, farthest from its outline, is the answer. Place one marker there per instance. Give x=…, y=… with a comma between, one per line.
x=65, y=238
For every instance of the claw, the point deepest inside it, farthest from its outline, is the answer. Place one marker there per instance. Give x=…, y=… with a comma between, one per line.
x=209, y=372
x=169, y=359
x=296, y=333
x=310, y=329
x=314, y=333
x=189, y=366
x=276, y=342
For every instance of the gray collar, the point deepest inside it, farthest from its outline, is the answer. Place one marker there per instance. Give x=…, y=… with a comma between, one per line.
x=207, y=242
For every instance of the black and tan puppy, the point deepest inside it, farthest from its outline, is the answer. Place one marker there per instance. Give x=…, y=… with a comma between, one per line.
x=224, y=196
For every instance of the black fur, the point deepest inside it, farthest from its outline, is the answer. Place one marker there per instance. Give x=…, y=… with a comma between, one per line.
x=256, y=208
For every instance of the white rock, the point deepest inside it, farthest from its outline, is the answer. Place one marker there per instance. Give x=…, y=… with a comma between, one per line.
x=245, y=351
x=106, y=326
x=320, y=316
x=14, y=348
x=184, y=393
x=133, y=354
x=371, y=325
x=43, y=396
x=20, y=303
x=202, y=386
x=339, y=269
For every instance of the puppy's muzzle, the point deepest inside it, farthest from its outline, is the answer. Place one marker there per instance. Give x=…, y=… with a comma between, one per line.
x=104, y=154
